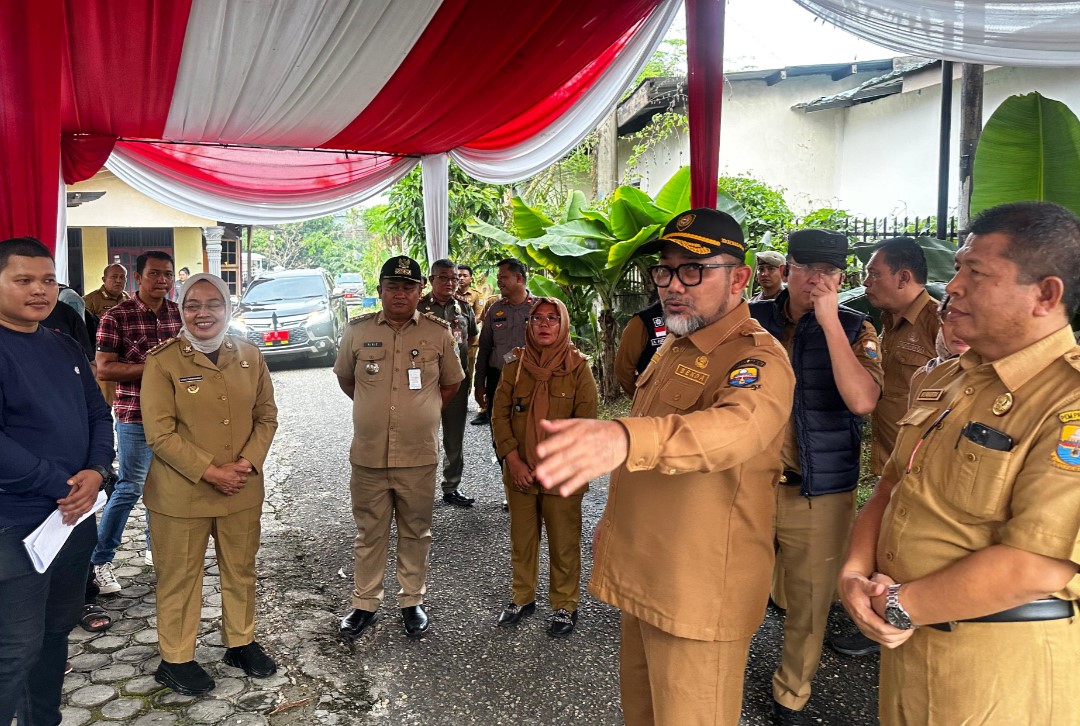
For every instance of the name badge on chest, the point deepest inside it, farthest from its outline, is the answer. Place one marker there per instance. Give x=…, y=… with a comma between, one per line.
x=414, y=379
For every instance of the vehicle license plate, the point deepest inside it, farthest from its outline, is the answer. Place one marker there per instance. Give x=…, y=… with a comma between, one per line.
x=276, y=337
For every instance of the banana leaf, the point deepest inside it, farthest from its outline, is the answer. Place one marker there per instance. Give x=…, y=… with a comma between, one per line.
x=621, y=253
x=543, y=287
x=575, y=202
x=528, y=222
x=675, y=195
x=583, y=228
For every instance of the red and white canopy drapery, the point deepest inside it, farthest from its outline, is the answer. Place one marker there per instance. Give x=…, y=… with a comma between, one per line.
x=506, y=88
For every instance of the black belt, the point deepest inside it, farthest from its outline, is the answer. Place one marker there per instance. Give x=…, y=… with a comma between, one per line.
x=1050, y=608
x=791, y=478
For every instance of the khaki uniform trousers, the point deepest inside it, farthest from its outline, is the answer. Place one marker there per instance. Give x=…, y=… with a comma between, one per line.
x=179, y=550
x=407, y=495
x=453, y=437
x=811, y=536
x=671, y=681
x=561, y=517
x=990, y=674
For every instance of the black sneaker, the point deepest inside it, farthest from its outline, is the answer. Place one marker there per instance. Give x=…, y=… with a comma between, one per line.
x=562, y=623
x=854, y=644
x=188, y=679
x=513, y=613
x=252, y=659
x=784, y=716
x=481, y=419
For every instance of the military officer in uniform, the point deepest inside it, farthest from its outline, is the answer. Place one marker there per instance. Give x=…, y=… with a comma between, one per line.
x=209, y=415
x=442, y=303
x=964, y=563
x=401, y=368
x=685, y=545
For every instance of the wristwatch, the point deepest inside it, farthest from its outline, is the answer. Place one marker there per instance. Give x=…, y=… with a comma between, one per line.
x=894, y=611
x=103, y=472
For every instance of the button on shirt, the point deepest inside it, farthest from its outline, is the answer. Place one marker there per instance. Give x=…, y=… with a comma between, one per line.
x=960, y=497
x=393, y=425
x=131, y=329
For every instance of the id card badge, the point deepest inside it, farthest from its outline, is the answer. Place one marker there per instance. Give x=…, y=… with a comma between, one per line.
x=414, y=379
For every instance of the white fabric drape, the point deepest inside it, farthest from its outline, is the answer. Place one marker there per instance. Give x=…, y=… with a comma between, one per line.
x=175, y=191
x=526, y=159
x=435, y=175
x=329, y=55
x=1026, y=33
x=60, y=254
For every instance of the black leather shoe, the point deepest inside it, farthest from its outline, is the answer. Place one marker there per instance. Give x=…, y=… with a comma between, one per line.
x=251, y=659
x=513, y=613
x=416, y=621
x=355, y=623
x=784, y=716
x=481, y=419
x=188, y=679
x=562, y=623
x=854, y=644
x=457, y=498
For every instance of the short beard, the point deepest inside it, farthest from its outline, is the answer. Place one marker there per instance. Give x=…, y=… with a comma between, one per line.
x=684, y=325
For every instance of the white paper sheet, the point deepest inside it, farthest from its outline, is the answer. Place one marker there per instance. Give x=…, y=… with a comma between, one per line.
x=45, y=542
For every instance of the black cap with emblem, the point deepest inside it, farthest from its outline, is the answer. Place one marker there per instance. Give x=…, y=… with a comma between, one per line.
x=702, y=232
x=807, y=246
x=402, y=268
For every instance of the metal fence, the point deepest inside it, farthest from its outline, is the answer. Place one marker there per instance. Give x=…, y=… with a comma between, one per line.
x=865, y=230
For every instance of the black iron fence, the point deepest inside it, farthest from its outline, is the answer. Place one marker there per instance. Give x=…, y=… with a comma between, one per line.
x=866, y=230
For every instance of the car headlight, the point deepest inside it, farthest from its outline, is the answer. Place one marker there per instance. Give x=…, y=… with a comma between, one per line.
x=319, y=317
x=238, y=327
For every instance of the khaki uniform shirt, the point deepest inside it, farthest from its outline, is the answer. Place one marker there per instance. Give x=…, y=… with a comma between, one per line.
x=907, y=344
x=99, y=301
x=633, y=341
x=866, y=349
x=686, y=541
x=504, y=330
x=960, y=497
x=572, y=396
x=195, y=414
x=476, y=301
x=395, y=424
x=462, y=323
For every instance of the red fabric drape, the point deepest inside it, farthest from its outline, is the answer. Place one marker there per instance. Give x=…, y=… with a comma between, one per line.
x=705, y=95
x=82, y=155
x=30, y=42
x=461, y=81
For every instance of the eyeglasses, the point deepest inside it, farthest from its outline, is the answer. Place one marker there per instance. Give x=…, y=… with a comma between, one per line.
x=550, y=320
x=689, y=274
x=823, y=270
x=444, y=278
x=214, y=306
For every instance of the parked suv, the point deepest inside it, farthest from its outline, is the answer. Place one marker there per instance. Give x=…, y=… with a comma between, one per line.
x=352, y=284
x=293, y=313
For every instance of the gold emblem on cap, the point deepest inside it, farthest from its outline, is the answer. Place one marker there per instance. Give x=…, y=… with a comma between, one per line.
x=1002, y=404
x=684, y=221
x=701, y=362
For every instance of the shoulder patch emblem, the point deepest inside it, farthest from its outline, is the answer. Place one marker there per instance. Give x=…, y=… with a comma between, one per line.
x=1067, y=454
x=870, y=349
x=744, y=377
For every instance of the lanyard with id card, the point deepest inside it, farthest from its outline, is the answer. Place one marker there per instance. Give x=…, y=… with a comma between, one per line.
x=414, y=372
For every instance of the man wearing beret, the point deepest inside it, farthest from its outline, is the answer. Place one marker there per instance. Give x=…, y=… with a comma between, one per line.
x=834, y=352
x=769, y=275
x=400, y=368
x=685, y=545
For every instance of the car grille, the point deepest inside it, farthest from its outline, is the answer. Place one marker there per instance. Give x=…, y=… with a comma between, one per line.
x=297, y=336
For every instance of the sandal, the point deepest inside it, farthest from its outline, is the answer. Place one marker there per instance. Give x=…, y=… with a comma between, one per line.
x=92, y=615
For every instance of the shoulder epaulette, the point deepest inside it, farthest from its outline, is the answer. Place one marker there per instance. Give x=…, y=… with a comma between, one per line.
x=360, y=318
x=436, y=319
x=1073, y=358
x=161, y=346
x=762, y=338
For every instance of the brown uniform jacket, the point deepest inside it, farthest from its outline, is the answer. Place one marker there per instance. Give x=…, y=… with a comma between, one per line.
x=633, y=341
x=393, y=424
x=572, y=396
x=686, y=541
x=960, y=497
x=195, y=414
x=99, y=301
x=476, y=301
x=907, y=344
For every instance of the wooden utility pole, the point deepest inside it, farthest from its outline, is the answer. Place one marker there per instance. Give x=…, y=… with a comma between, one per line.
x=971, y=103
x=607, y=155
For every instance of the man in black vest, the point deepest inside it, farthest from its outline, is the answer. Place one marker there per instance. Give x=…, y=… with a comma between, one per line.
x=838, y=378
x=643, y=335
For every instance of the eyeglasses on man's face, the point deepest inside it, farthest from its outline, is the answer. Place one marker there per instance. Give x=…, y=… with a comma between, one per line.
x=444, y=278
x=549, y=320
x=214, y=306
x=689, y=274
x=823, y=270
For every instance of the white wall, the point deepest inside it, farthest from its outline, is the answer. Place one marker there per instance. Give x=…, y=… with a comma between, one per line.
x=122, y=206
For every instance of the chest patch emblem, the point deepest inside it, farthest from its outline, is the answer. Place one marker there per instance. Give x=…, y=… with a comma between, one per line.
x=691, y=375
x=701, y=362
x=870, y=348
x=371, y=368
x=193, y=388
x=744, y=376
x=189, y=379
x=373, y=344
x=1002, y=404
x=1067, y=454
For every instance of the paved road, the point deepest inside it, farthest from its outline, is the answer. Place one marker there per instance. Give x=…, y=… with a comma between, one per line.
x=466, y=671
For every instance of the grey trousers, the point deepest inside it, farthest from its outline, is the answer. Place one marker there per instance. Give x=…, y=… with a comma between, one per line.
x=453, y=438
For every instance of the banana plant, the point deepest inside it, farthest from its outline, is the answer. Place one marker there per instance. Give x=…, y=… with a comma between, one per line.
x=592, y=248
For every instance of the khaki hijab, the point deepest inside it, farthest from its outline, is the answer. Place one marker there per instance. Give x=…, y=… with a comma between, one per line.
x=558, y=359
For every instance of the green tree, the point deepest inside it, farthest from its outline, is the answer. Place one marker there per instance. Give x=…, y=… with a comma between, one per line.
x=315, y=243
x=766, y=210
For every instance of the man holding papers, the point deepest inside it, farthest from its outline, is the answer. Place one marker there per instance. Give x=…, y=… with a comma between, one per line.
x=55, y=445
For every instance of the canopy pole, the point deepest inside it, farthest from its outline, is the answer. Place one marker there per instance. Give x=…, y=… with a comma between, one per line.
x=435, y=178
x=943, y=149
x=705, y=95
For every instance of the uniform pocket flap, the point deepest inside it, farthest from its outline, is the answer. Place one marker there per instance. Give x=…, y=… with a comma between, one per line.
x=916, y=415
x=371, y=354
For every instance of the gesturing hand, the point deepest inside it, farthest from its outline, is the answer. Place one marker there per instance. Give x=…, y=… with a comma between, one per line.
x=578, y=450
x=826, y=300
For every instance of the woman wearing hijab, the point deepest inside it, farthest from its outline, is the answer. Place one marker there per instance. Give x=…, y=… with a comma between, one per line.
x=549, y=379
x=209, y=415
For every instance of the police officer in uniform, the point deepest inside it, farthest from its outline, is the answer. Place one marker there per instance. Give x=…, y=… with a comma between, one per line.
x=964, y=564
x=401, y=368
x=685, y=546
x=769, y=275
x=504, y=330
x=441, y=302
x=642, y=337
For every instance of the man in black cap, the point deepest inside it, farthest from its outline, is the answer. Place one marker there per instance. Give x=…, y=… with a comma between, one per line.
x=834, y=352
x=685, y=547
x=401, y=368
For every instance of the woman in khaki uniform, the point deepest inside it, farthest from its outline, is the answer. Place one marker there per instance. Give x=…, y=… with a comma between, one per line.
x=209, y=414
x=549, y=379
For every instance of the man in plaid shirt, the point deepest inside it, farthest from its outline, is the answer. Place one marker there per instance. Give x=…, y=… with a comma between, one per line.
x=126, y=333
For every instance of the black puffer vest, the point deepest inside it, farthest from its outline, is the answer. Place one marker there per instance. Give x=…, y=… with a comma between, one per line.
x=653, y=319
x=827, y=432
